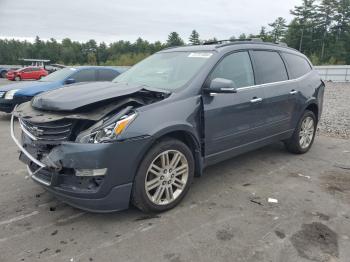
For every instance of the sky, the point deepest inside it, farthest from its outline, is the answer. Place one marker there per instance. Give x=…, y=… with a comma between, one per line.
x=112, y=20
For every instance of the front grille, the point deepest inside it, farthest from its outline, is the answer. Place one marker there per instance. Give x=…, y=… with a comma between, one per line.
x=2, y=93
x=52, y=131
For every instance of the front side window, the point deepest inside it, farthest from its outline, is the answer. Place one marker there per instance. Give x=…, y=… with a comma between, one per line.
x=268, y=67
x=236, y=67
x=106, y=74
x=85, y=75
x=297, y=65
x=169, y=71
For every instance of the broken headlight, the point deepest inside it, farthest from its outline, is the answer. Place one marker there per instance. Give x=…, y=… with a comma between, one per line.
x=109, y=131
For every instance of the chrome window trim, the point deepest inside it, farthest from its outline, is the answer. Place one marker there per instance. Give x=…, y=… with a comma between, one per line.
x=274, y=83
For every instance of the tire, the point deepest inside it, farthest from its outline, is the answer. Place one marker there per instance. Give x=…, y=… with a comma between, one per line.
x=3, y=74
x=295, y=144
x=157, y=199
x=17, y=78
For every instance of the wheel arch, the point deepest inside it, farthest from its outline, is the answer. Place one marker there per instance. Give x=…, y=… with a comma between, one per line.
x=188, y=137
x=313, y=107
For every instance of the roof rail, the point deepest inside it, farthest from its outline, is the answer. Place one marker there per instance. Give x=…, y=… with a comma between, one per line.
x=222, y=43
x=225, y=41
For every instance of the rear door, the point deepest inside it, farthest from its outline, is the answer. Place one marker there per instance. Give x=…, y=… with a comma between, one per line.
x=299, y=69
x=279, y=103
x=35, y=73
x=232, y=120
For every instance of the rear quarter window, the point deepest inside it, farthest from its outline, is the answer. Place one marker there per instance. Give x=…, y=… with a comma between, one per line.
x=268, y=67
x=297, y=65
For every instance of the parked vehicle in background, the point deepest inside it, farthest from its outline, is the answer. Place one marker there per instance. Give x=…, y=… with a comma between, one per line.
x=54, y=67
x=4, y=70
x=14, y=94
x=142, y=138
x=27, y=73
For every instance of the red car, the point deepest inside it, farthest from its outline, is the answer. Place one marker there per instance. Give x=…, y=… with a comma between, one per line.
x=27, y=73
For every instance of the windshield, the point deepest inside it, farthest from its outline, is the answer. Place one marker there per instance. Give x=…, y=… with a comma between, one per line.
x=58, y=75
x=168, y=71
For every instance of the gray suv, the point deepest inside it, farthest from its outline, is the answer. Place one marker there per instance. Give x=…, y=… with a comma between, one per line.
x=143, y=137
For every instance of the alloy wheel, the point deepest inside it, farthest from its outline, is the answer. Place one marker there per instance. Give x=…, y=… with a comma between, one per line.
x=307, y=132
x=166, y=177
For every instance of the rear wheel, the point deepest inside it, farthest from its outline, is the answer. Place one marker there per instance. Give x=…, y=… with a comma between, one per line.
x=304, y=135
x=164, y=176
x=3, y=74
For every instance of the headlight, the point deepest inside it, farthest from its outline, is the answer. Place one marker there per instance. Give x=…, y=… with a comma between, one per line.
x=110, y=132
x=9, y=94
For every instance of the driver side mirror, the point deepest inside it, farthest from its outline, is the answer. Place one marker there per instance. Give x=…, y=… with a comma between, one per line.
x=69, y=81
x=221, y=86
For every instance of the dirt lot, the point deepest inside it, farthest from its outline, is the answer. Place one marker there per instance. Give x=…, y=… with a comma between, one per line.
x=225, y=216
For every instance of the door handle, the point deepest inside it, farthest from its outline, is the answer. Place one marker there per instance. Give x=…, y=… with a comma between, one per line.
x=256, y=100
x=293, y=92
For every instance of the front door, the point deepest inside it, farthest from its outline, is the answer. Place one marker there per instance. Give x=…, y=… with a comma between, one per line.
x=26, y=73
x=232, y=120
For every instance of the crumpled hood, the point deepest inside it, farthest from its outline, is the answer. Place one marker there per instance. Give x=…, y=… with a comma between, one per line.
x=29, y=87
x=79, y=95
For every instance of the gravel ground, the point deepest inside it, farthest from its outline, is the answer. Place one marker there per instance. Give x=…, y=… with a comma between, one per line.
x=335, y=119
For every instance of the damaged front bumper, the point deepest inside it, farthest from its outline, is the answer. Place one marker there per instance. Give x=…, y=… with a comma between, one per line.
x=55, y=167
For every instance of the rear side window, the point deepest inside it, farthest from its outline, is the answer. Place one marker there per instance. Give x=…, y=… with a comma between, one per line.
x=268, y=67
x=86, y=75
x=106, y=75
x=236, y=67
x=297, y=65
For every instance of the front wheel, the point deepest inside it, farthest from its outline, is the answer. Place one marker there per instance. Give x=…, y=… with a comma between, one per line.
x=164, y=176
x=17, y=78
x=304, y=135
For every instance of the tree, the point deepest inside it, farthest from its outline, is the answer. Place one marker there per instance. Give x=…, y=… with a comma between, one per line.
x=242, y=36
x=304, y=16
x=194, y=38
x=278, y=29
x=233, y=38
x=324, y=17
x=174, y=40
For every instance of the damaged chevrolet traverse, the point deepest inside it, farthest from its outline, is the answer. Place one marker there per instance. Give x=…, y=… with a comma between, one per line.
x=143, y=137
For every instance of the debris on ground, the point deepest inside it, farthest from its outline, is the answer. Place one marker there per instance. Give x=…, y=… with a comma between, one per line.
x=301, y=175
x=272, y=200
x=342, y=166
x=256, y=200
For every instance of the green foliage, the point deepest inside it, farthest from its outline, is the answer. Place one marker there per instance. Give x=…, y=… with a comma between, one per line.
x=75, y=53
x=174, y=40
x=194, y=38
x=278, y=29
